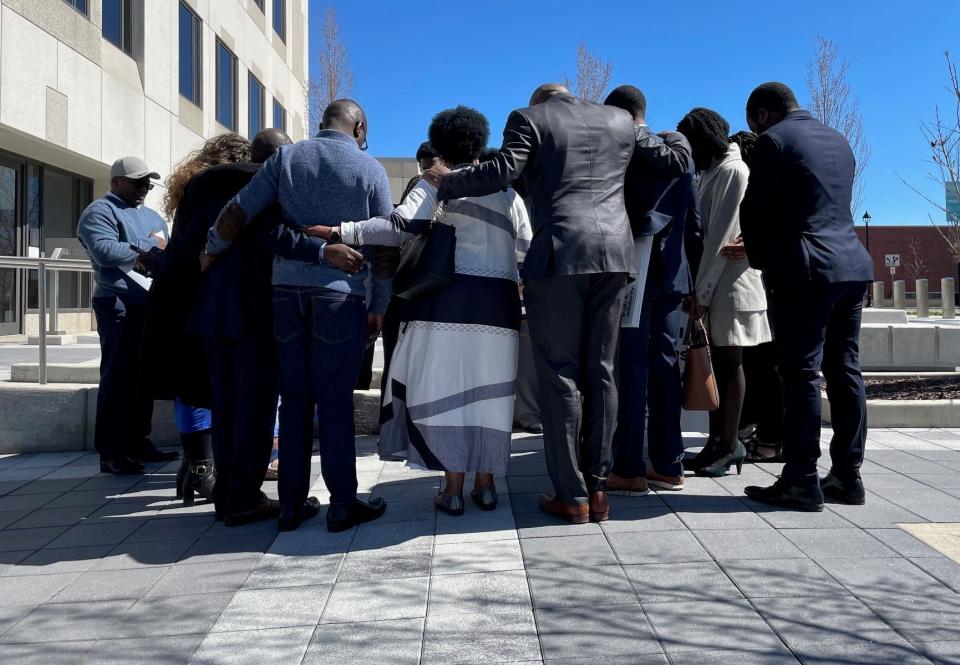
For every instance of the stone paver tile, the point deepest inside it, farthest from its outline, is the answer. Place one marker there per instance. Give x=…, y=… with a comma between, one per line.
x=944, y=569
x=173, y=528
x=311, y=539
x=883, y=577
x=531, y=484
x=10, y=615
x=233, y=546
x=709, y=625
x=794, y=519
x=32, y=589
x=74, y=652
x=277, y=646
x=477, y=525
x=122, y=508
x=409, y=511
x=102, y=533
x=171, y=615
x=395, y=642
x=839, y=619
x=148, y=553
x=748, y=544
x=838, y=543
x=877, y=514
x=941, y=653
x=93, y=498
x=480, y=618
x=277, y=570
x=63, y=622
x=478, y=557
x=565, y=551
x=787, y=578
x=66, y=560
x=47, y=485
x=567, y=587
x=525, y=503
x=29, y=539
x=53, y=517
x=668, y=582
x=744, y=654
x=145, y=651
x=385, y=564
x=259, y=609
x=8, y=517
x=658, y=547
x=593, y=631
x=861, y=653
x=538, y=525
x=213, y=577
x=408, y=490
x=721, y=517
x=653, y=517
x=638, y=659
x=110, y=584
x=903, y=543
x=398, y=535
x=934, y=618
x=377, y=600
x=8, y=560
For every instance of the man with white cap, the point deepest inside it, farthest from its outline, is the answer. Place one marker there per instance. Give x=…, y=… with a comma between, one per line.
x=120, y=233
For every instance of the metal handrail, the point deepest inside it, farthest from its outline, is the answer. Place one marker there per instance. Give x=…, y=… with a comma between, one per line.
x=42, y=265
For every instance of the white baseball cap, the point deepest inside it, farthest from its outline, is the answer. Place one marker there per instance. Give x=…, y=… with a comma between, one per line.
x=133, y=168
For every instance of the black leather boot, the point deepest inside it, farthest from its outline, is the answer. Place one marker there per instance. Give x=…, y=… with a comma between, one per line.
x=181, y=474
x=201, y=474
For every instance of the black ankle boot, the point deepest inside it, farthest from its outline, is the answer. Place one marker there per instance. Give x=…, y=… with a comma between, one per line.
x=181, y=473
x=201, y=474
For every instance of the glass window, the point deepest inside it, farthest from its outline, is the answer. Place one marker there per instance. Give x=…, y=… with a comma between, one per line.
x=64, y=196
x=117, y=16
x=191, y=52
x=280, y=18
x=226, y=87
x=255, y=109
x=258, y=3
x=279, y=116
x=79, y=5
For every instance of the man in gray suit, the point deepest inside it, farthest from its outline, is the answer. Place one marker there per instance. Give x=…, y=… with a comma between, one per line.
x=571, y=157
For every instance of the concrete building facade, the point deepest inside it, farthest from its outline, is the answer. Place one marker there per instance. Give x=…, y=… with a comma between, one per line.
x=83, y=82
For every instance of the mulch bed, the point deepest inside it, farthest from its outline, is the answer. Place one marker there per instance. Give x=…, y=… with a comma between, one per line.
x=925, y=388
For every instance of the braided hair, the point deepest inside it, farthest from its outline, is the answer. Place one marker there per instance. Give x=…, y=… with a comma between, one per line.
x=707, y=133
x=746, y=141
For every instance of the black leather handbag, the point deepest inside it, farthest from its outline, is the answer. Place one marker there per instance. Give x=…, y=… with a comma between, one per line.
x=427, y=261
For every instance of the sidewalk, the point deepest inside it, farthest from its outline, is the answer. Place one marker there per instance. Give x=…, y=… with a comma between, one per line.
x=102, y=569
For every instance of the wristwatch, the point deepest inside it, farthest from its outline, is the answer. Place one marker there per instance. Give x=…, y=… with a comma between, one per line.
x=335, y=236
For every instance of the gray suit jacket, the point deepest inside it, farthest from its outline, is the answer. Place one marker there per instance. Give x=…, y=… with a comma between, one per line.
x=571, y=157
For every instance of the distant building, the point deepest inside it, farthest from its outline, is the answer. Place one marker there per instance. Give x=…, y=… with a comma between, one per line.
x=952, y=202
x=920, y=249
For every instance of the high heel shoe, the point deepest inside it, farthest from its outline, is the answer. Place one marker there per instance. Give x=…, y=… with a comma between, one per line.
x=486, y=498
x=705, y=457
x=451, y=505
x=721, y=465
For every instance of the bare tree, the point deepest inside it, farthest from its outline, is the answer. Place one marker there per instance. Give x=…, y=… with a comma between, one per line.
x=334, y=78
x=593, y=76
x=916, y=266
x=833, y=103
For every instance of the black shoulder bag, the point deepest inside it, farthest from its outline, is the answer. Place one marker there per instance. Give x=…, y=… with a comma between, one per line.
x=427, y=261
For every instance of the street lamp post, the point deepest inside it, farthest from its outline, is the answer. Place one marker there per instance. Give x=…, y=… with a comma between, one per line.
x=866, y=226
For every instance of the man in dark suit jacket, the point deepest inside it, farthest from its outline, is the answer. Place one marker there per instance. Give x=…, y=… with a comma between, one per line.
x=667, y=209
x=798, y=229
x=571, y=156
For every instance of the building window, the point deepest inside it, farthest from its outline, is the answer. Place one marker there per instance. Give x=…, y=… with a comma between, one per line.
x=79, y=5
x=226, y=87
x=280, y=18
x=117, y=24
x=191, y=52
x=279, y=116
x=255, y=107
x=258, y=3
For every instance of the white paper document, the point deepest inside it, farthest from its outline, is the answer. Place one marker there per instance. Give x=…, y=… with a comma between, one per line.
x=138, y=279
x=633, y=300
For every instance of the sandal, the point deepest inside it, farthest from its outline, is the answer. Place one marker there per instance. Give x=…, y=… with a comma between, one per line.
x=754, y=447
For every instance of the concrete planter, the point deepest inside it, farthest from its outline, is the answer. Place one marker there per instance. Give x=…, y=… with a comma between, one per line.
x=907, y=413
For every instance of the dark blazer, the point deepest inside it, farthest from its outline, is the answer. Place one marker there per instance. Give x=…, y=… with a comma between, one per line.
x=668, y=209
x=795, y=216
x=571, y=157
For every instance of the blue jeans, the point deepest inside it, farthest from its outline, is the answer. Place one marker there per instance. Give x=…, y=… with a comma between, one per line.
x=320, y=336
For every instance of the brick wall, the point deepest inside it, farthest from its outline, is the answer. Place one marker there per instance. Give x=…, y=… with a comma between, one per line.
x=901, y=240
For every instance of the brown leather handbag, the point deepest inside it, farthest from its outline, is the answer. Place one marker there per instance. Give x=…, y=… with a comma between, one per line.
x=699, y=384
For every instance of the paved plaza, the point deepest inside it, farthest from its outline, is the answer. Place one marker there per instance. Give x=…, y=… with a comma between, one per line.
x=107, y=569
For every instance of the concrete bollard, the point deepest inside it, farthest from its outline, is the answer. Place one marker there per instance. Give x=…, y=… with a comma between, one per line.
x=923, y=298
x=899, y=294
x=946, y=294
x=878, y=294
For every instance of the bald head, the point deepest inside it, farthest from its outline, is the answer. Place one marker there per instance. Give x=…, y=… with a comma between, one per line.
x=345, y=115
x=546, y=91
x=266, y=143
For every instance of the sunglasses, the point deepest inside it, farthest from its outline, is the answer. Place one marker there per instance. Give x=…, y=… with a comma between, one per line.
x=141, y=183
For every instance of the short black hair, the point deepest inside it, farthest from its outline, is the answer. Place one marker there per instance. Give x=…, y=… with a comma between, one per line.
x=341, y=110
x=629, y=98
x=426, y=151
x=773, y=96
x=707, y=132
x=746, y=141
x=488, y=153
x=459, y=134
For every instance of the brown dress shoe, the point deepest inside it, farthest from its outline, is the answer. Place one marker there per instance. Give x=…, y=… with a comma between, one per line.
x=627, y=486
x=575, y=513
x=599, y=506
x=660, y=481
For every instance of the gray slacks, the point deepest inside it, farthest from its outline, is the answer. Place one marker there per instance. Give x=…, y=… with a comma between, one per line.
x=575, y=329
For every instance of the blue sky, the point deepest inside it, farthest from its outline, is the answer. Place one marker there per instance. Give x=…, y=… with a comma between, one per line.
x=411, y=60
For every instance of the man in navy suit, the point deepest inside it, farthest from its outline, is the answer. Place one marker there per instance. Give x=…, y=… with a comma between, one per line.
x=667, y=209
x=798, y=229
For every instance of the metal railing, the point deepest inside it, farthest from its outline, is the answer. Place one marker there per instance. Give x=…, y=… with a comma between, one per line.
x=43, y=265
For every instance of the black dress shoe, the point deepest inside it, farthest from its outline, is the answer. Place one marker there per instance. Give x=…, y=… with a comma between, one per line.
x=535, y=428
x=145, y=451
x=290, y=519
x=850, y=492
x=121, y=466
x=265, y=509
x=342, y=517
x=784, y=495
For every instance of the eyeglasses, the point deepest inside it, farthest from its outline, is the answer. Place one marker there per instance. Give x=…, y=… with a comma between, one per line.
x=141, y=183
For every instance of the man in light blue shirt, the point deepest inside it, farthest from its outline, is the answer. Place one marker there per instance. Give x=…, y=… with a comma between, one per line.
x=116, y=230
x=319, y=309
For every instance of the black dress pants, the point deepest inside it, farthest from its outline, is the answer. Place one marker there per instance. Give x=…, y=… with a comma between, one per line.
x=575, y=330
